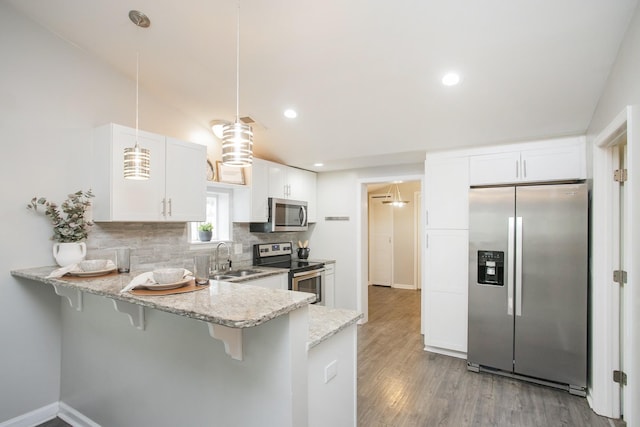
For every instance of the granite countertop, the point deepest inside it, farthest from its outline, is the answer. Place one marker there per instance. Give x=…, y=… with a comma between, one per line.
x=236, y=305
x=325, y=322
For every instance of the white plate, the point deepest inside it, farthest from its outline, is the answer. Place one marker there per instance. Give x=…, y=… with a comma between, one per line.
x=81, y=273
x=165, y=286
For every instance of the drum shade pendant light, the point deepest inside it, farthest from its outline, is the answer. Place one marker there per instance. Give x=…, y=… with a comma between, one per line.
x=137, y=159
x=237, y=137
x=394, y=198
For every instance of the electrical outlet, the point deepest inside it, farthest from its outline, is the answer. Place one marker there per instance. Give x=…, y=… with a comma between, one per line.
x=237, y=248
x=330, y=371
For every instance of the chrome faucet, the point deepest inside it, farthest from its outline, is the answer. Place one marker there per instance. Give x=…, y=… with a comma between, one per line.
x=218, y=267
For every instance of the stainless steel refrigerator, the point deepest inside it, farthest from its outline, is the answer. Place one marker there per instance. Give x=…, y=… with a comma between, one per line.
x=528, y=283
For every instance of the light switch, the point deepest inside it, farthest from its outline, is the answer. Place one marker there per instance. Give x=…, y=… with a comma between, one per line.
x=330, y=371
x=237, y=248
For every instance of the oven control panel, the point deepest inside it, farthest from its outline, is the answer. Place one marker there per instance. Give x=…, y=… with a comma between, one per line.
x=273, y=249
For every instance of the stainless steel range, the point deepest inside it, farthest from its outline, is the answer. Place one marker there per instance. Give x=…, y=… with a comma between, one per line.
x=304, y=275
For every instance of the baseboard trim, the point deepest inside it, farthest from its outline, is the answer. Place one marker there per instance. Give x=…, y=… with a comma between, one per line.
x=446, y=352
x=75, y=418
x=403, y=286
x=49, y=412
x=33, y=418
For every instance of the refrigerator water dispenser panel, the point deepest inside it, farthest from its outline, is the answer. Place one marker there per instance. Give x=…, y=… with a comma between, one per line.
x=491, y=268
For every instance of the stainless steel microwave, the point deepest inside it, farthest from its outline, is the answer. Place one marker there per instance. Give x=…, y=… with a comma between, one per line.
x=284, y=215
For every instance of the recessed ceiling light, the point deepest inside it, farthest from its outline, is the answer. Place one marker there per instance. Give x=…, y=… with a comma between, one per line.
x=291, y=114
x=451, y=79
x=318, y=165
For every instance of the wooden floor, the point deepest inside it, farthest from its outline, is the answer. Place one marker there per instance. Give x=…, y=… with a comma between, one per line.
x=399, y=384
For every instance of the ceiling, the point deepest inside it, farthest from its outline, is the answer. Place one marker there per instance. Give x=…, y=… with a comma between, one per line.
x=363, y=75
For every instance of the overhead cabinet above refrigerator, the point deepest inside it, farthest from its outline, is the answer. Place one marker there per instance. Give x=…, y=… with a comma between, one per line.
x=528, y=284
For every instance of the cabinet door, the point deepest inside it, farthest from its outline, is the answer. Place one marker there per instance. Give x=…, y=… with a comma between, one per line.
x=553, y=164
x=446, y=286
x=186, y=181
x=133, y=200
x=499, y=168
x=446, y=192
x=278, y=180
x=302, y=186
x=329, y=286
x=259, y=191
x=272, y=282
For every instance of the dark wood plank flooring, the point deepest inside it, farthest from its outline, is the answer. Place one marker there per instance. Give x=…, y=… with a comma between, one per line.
x=399, y=384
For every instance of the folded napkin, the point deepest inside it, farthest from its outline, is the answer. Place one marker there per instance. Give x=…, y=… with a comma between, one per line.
x=146, y=278
x=73, y=268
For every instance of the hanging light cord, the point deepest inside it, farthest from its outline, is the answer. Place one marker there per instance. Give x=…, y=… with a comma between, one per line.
x=238, y=65
x=137, y=98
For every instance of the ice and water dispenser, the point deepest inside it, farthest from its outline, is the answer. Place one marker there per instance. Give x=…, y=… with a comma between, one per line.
x=491, y=268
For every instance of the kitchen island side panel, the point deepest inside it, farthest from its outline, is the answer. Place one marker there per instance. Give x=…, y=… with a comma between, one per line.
x=174, y=373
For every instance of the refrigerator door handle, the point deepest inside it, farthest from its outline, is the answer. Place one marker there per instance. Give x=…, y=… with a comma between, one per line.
x=510, y=262
x=519, y=266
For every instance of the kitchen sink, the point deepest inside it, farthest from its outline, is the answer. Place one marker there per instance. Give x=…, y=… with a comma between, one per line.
x=233, y=274
x=221, y=277
x=242, y=273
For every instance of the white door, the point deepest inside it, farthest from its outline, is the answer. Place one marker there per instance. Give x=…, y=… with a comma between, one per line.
x=380, y=241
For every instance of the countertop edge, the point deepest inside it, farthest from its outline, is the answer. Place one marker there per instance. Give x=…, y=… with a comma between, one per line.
x=145, y=302
x=326, y=322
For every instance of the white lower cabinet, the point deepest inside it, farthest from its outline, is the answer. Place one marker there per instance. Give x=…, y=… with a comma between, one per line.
x=175, y=191
x=445, y=293
x=329, y=285
x=278, y=281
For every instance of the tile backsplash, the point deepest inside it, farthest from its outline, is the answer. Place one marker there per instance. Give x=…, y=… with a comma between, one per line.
x=164, y=244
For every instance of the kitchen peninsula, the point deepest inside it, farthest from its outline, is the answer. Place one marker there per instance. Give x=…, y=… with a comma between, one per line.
x=275, y=360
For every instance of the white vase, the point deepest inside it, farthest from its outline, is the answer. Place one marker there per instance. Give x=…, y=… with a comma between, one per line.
x=69, y=253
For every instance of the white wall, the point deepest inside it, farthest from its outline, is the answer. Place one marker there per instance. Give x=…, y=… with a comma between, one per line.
x=51, y=96
x=338, y=195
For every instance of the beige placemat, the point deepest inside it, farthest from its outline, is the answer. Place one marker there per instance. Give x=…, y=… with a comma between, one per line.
x=190, y=287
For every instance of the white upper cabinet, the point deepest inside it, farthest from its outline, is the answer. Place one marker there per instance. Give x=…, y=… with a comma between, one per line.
x=553, y=160
x=446, y=192
x=175, y=191
x=302, y=186
x=270, y=179
x=186, y=192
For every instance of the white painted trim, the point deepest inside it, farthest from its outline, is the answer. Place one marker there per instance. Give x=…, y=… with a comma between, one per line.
x=604, y=334
x=75, y=418
x=33, y=418
x=417, y=239
x=446, y=352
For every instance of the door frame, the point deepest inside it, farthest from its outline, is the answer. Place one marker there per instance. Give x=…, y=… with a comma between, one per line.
x=362, y=235
x=603, y=394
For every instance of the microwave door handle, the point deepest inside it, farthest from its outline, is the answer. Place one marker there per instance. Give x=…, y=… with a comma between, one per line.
x=303, y=215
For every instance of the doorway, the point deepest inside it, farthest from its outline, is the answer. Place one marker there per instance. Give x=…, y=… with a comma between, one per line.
x=393, y=257
x=363, y=238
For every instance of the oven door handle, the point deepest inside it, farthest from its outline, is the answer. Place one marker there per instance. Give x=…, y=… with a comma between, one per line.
x=310, y=273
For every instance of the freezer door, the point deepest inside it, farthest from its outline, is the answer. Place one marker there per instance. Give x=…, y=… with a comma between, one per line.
x=490, y=336
x=551, y=307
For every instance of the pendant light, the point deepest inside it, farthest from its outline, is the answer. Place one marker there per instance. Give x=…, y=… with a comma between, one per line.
x=137, y=159
x=237, y=137
x=394, y=198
